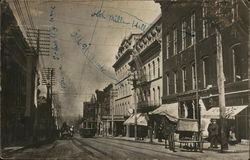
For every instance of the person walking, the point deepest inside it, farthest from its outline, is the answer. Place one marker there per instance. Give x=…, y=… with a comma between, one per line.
x=213, y=132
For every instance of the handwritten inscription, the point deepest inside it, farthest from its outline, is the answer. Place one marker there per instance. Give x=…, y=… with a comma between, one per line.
x=55, y=45
x=79, y=40
x=115, y=18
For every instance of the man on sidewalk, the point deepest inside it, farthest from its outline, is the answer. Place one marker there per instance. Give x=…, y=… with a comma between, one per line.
x=213, y=131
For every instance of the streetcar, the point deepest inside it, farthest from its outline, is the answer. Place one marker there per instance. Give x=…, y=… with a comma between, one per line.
x=88, y=129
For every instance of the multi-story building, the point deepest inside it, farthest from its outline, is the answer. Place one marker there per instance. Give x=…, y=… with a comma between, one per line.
x=17, y=81
x=124, y=99
x=189, y=61
x=107, y=109
x=89, y=113
x=148, y=49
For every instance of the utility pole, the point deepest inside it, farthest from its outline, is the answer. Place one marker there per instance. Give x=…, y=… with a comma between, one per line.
x=112, y=96
x=221, y=89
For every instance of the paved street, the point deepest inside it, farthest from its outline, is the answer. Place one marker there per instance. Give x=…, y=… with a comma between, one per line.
x=107, y=148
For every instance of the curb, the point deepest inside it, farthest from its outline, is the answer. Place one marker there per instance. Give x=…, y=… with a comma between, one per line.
x=153, y=143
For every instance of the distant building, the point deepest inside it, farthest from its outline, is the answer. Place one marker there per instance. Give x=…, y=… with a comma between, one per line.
x=124, y=100
x=186, y=23
x=89, y=113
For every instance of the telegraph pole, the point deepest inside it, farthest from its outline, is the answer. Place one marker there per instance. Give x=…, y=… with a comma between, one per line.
x=221, y=89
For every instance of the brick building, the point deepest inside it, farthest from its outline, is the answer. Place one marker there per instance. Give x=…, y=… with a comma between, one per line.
x=187, y=34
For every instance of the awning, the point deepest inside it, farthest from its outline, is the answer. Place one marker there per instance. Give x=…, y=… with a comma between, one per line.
x=168, y=110
x=142, y=119
x=231, y=112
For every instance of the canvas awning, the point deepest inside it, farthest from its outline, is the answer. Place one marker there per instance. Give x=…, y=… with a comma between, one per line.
x=142, y=119
x=231, y=112
x=168, y=110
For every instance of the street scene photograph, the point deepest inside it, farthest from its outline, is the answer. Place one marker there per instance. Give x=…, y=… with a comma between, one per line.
x=124, y=80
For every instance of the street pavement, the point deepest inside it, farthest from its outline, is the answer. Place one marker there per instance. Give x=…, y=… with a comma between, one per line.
x=101, y=148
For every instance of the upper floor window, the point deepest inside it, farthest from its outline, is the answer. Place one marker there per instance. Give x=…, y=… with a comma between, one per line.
x=205, y=71
x=193, y=76
x=167, y=46
x=175, y=82
x=149, y=72
x=234, y=10
x=153, y=69
x=184, y=77
x=153, y=95
x=184, y=35
x=204, y=23
x=193, y=28
x=167, y=83
x=159, y=94
x=158, y=67
x=175, y=41
x=238, y=65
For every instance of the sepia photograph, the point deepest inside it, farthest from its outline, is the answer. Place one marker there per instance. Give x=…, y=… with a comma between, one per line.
x=124, y=80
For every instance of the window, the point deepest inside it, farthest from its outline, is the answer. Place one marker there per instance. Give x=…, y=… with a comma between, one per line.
x=153, y=96
x=145, y=71
x=153, y=69
x=238, y=73
x=204, y=23
x=193, y=28
x=167, y=84
x=149, y=96
x=175, y=41
x=184, y=35
x=184, y=76
x=167, y=46
x=159, y=95
x=158, y=65
x=175, y=82
x=234, y=10
x=193, y=76
x=149, y=72
x=205, y=71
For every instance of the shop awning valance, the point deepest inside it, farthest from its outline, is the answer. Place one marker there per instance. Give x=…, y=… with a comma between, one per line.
x=142, y=119
x=168, y=110
x=231, y=112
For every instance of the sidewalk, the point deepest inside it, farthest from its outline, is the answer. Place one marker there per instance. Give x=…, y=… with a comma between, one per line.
x=13, y=149
x=238, y=148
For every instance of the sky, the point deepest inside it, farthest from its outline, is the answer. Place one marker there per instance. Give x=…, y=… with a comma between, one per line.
x=85, y=37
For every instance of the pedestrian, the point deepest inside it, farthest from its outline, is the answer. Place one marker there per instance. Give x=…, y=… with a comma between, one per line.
x=213, y=130
x=231, y=138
